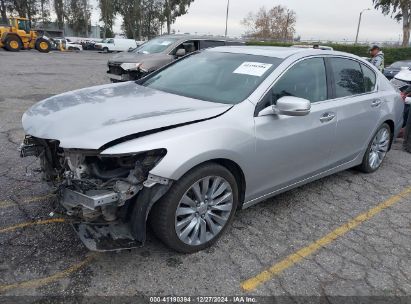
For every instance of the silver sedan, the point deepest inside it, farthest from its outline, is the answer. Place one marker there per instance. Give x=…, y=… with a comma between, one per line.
x=214, y=132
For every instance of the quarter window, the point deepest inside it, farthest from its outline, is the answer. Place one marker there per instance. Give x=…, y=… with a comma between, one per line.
x=306, y=79
x=348, y=77
x=370, y=79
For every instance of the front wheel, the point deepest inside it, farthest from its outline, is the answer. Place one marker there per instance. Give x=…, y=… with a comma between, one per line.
x=197, y=209
x=377, y=150
x=43, y=45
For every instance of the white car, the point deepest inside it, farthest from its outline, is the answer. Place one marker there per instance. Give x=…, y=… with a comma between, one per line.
x=116, y=45
x=74, y=46
x=68, y=44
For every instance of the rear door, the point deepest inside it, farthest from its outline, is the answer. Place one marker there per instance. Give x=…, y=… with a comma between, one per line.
x=357, y=105
x=290, y=149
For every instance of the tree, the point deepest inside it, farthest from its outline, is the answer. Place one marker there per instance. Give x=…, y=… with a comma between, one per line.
x=108, y=11
x=44, y=10
x=399, y=10
x=277, y=23
x=60, y=10
x=130, y=11
x=4, y=6
x=78, y=16
x=23, y=8
x=174, y=9
x=141, y=18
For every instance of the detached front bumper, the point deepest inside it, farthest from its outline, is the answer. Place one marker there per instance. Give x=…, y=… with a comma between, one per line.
x=118, y=74
x=106, y=236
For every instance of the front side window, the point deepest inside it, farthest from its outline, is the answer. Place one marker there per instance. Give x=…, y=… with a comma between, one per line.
x=213, y=76
x=24, y=25
x=109, y=40
x=188, y=46
x=348, y=77
x=307, y=79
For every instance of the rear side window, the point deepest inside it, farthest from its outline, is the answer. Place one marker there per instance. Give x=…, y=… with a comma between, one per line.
x=205, y=44
x=348, y=77
x=370, y=79
x=306, y=79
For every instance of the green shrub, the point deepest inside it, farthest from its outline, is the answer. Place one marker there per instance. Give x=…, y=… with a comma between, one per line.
x=391, y=54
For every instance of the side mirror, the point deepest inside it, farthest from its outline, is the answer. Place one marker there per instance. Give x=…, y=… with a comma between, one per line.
x=293, y=106
x=180, y=53
x=290, y=106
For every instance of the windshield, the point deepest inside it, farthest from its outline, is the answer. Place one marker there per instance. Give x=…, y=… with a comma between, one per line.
x=400, y=64
x=155, y=46
x=212, y=76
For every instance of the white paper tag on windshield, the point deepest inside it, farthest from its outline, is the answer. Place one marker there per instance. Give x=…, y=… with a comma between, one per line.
x=165, y=42
x=253, y=68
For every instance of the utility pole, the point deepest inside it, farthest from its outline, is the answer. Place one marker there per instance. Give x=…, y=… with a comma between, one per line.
x=359, y=24
x=226, y=18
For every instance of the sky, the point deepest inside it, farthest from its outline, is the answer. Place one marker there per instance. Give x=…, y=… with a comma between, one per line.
x=334, y=20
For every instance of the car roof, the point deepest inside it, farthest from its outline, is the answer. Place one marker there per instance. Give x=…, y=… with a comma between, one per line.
x=406, y=61
x=274, y=51
x=197, y=37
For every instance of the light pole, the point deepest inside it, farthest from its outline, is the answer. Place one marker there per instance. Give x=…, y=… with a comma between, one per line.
x=359, y=24
x=226, y=18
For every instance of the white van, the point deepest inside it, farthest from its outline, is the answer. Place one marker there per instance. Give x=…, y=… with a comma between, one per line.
x=116, y=45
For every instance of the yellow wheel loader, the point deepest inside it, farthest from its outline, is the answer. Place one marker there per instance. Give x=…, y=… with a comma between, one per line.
x=18, y=35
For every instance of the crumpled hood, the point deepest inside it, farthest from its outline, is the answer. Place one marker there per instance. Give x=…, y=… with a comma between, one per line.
x=92, y=117
x=137, y=57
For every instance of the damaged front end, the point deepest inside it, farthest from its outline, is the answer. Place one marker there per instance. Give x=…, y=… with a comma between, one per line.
x=110, y=196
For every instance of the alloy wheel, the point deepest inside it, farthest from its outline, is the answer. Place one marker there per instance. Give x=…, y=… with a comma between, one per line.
x=379, y=148
x=204, y=210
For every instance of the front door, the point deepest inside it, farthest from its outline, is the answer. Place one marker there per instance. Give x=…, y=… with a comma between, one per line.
x=290, y=149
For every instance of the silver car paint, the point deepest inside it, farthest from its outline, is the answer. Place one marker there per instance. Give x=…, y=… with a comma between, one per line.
x=92, y=117
x=275, y=153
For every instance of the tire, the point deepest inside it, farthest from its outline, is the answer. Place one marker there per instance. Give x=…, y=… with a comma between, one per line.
x=105, y=50
x=13, y=44
x=377, y=150
x=164, y=219
x=42, y=45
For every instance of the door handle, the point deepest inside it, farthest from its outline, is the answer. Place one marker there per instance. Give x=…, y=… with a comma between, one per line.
x=376, y=103
x=327, y=117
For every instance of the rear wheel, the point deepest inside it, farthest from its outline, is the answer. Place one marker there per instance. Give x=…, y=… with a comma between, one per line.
x=43, y=45
x=377, y=150
x=13, y=44
x=197, y=209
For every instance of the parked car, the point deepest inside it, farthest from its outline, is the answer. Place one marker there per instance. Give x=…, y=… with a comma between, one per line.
x=67, y=44
x=396, y=67
x=220, y=130
x=157, y=53
x=116, y=45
